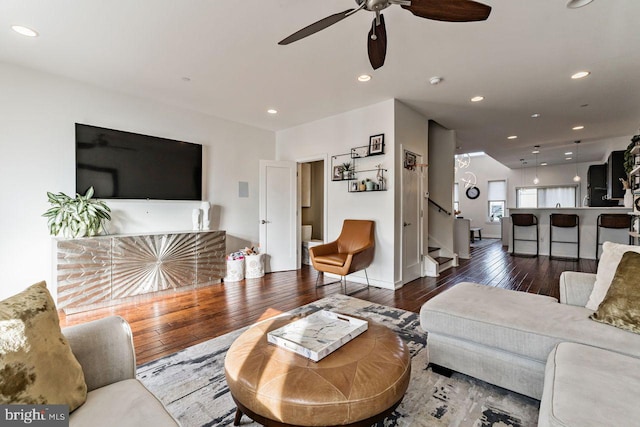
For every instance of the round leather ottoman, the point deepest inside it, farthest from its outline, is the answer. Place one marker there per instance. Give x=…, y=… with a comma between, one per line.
x=358, y=384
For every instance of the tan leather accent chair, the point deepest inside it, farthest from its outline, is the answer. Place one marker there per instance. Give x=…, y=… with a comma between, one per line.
x=352, y=251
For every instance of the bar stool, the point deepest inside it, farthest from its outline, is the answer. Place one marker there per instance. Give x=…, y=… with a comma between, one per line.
x=564, y=221
x=611, y=221
x=524, y=220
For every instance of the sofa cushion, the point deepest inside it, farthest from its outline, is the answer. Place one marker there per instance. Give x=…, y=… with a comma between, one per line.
x=122, y=404
x=36, y=362
x=587, y=386
x=518, y=322
x=621, y=306
x=611, y=256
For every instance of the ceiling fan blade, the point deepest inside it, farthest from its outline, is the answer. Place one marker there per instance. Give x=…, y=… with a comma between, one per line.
x=377, y=43
x=316, y=26
x=449, y=10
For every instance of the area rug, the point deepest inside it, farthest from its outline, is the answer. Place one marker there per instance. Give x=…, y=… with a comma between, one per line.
x=191, y=382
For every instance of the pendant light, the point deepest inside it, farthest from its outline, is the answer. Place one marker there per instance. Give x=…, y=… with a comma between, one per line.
x=536, y=150
x=577, y=177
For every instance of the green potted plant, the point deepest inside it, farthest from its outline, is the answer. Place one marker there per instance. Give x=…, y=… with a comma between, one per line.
x=76, y=217
x=347, y=170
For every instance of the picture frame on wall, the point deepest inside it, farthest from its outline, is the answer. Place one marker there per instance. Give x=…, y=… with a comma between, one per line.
x=337, y=173
x=409, y=160
x=376, y=144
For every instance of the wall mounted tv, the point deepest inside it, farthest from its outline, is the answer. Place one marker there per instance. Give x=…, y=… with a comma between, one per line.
x=125, y=165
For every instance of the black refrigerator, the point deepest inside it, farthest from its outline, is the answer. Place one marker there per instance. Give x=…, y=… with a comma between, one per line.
x=597, y=185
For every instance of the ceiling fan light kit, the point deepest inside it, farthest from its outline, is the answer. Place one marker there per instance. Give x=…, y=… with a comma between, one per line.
x=439, y=10
x=574, y=4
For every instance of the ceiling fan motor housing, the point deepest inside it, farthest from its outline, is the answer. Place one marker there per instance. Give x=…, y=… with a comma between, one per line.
x=374, y=5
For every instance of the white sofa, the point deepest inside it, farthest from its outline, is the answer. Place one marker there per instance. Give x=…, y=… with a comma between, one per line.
x=507, y=338
x=115, y=397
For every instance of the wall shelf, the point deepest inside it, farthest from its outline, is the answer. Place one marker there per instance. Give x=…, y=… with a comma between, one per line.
x=355, y=176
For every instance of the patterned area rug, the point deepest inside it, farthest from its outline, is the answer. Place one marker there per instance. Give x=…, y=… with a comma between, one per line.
x=191, y=382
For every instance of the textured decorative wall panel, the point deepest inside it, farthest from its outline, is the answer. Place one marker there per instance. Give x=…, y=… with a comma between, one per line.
x=102, y=271
x=144, y=264
x=211, y=248
x=84, y=271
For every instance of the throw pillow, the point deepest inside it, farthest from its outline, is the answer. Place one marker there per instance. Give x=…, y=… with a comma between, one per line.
x=36, y=363
x=611, y=256
x=621, y=305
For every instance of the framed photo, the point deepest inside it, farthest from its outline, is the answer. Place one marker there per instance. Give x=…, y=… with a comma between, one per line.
x=376, y=144
x=337, y=173
x=409, y=160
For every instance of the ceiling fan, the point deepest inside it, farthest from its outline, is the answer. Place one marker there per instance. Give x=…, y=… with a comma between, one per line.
x=440, y=10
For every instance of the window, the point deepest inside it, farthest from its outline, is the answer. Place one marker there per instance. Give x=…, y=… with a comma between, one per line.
x=547, y=197
x=497, y=196
x=527, y=198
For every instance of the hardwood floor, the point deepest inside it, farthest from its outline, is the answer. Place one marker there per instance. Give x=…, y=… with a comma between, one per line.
x=164, y=325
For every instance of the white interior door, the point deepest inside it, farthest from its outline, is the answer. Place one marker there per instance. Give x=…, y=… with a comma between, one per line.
x=411, y=222
x=278, y=207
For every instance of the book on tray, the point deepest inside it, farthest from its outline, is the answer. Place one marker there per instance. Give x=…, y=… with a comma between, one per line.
x=318, y=335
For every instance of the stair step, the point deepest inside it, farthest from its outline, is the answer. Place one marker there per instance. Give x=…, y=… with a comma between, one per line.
x=433, y=249
x=442, y=260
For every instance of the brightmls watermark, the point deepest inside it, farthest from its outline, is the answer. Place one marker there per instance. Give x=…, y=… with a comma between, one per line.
x=34, y=415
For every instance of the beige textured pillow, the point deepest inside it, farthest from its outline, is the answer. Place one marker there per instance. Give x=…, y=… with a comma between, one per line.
x=36, y=362
x=621, y=306
x=611, y=256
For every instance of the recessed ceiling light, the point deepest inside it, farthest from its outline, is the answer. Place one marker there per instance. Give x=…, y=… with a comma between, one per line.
x=580, y=75
x=578, y=127
x=568, y=158
x=568, y=153
x=574, y=4
x=535, y=152
x=25, y=31
x=512, y=137
x=535, y=115
x=477, y=98
x=543, y=164
x=272, y=111
x=364, y=78
x=435, y=80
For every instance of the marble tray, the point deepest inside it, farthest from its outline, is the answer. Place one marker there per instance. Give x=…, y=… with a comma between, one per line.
x=318, y=335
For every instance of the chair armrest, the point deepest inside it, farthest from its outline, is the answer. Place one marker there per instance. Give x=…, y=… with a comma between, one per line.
x=362, y=258
x=325, y=249
x=104, y=349
x=576, y=287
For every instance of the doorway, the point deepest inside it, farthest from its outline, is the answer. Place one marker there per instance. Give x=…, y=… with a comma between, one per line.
x=412, y=218
x=312, y=184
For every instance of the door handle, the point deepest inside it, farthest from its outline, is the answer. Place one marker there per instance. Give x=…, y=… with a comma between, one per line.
x=264, y=222
x=406, y=224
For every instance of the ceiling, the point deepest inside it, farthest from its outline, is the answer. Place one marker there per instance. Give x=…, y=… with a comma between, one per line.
x=520, y=60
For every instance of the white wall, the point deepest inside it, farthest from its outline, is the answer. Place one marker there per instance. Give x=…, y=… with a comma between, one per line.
x=411, y=133
x=37, y=142
x=442, y=146
x=486, y=169
x=337, y=135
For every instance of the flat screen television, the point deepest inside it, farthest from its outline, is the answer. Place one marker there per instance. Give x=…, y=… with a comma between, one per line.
x=125, y=165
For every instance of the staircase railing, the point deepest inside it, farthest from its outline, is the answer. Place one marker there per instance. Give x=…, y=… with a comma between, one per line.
x=440, y=208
